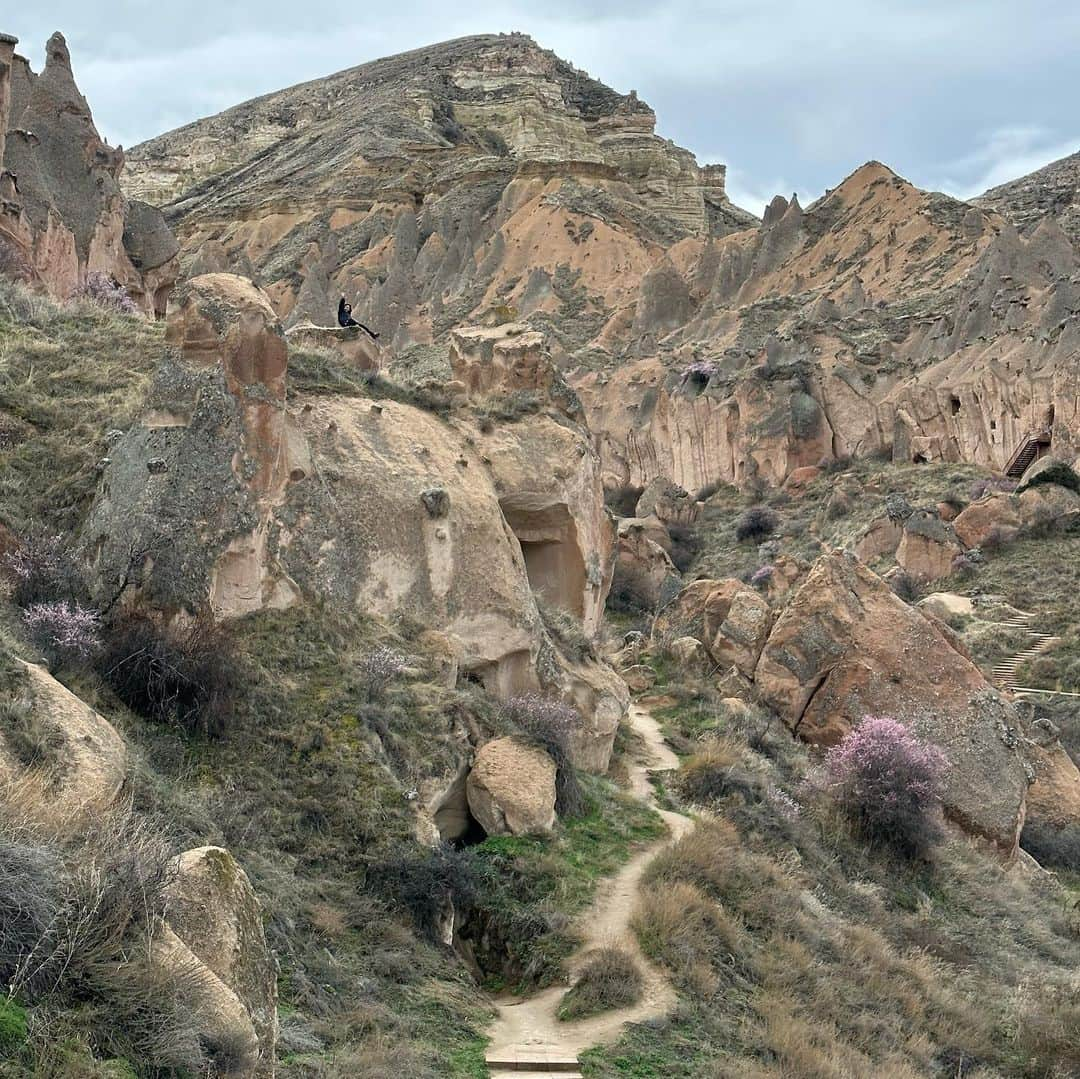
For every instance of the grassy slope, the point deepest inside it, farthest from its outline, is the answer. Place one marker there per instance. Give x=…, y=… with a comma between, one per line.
x=797, y=952
x=308, y=788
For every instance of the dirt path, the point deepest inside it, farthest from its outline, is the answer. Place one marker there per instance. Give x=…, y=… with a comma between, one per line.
x=529, y=1029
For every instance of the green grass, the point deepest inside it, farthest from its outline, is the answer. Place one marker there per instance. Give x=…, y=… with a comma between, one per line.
x=529, y=885
x=12, y=1025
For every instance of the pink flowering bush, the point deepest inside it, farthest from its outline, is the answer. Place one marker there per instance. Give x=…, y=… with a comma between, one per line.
x=379, y=668
x=41, y=570
x=102, y=290
x=66, y=632
x=889, y=783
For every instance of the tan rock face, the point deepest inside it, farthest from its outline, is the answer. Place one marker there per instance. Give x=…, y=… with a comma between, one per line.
x=62, y=208
x=483, y=176
x=927, y=547
x=231, y=482
x=88, y=759
x=846, y=647
x=511, y=789
x=741, y=635
x=640, y=558
x=215, y=913
x=500, y=361
x=992, y=518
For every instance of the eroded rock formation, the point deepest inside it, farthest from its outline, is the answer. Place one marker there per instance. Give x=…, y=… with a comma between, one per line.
x=231, y=491
x=62, y=213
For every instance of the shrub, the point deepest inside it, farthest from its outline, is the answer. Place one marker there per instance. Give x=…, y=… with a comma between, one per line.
x=698, y=374
x=31, y=903
x=622, y=501
x=551, y=725
x=684, y=546
x=181, y=675
x=1058, y=473
x=715, y=771
x=65, y=632
x=610, y=979
x=905, y=586
x=963, y=565
x=423, y=883
x=761, y=577
x=12, y=1025
x=379, y=668
x=632, y=590
x=107, y=293
x=42, y=570
x=889, y=783
x=982, y=488
x=756, y=523
x=1052, y=847
x=805, y=415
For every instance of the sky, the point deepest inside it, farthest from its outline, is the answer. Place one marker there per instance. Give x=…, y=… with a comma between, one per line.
x=956, y=95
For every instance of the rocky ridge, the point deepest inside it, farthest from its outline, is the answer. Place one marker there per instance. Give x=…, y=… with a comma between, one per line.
x=62, y=212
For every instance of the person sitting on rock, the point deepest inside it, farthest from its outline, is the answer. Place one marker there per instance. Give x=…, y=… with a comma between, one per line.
x=344, y=318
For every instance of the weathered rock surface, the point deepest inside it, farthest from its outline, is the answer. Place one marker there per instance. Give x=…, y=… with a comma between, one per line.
x=641, y=559
x=214, y=911
x=61, y=208
x=511, y=789
x=927, y=547
x=87, y=763
x=479, y=175
x=742, y=633
x=846, y=647
x=233, y=488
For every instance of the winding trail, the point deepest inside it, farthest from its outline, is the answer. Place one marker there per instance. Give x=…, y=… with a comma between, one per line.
x=527, y=1035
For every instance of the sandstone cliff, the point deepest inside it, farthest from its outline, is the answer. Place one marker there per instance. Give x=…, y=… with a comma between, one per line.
x=434, y=185
x=62, y=213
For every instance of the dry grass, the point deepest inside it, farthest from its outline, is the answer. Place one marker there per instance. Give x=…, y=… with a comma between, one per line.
x=610, y=979
x=69, y=373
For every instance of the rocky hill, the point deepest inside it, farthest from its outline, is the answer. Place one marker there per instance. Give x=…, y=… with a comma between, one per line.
x=434, y=186
x=634, y=661
x=1050, y=192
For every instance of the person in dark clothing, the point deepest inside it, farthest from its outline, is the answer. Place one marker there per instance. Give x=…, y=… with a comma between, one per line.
x=344, y=318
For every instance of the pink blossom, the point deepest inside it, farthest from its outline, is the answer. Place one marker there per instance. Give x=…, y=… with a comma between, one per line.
x=65, y=630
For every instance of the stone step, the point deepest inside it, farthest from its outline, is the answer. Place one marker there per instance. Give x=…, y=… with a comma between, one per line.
x=506, y=1073
x=534, y=1064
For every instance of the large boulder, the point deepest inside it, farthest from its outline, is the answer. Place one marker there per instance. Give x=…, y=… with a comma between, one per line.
x=507, y=360
x=990, y=520
x=1054, y=796
x=741, y=635
x=511, y=789
x=232, y=488
x=685, y=615
x=846, y=647
x=927, y=547
x=87, y=760
x=641, y=561
x=214, y=911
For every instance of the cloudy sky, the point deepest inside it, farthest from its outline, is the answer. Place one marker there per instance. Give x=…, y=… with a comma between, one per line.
x=957, y=95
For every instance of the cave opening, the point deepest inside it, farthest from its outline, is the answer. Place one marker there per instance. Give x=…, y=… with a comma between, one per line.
x=453, y=817
x=954, y=404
